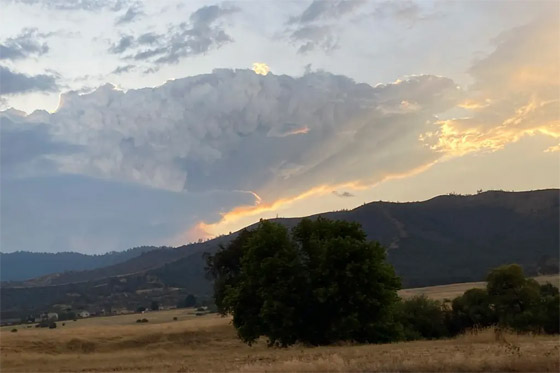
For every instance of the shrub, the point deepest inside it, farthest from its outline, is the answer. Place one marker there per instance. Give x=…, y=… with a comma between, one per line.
x=52, y=325
x=144, y=320
x=14, y=330
x=423, y=318
x=472, y=310
x=174, y=319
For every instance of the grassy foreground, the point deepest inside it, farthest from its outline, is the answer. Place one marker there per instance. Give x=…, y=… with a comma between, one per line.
x=209, y=344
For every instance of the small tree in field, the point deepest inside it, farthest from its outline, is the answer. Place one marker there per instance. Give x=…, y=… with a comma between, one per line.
x=321, y=284
x=190, y=301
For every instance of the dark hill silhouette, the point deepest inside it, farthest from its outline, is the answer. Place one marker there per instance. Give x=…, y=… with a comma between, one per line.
x=446, y=239
x=23, y=265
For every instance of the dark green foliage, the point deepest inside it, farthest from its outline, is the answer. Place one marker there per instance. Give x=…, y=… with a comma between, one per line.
x=224, y=268
x=322, y=284
x=154, y=306
x=141, y=309
x=472, y=310
x=423, y=318
x=14, y=330
x=69, y=315
x=510, y=300
x=190, y=301
x=516, y=299
x=52, y=325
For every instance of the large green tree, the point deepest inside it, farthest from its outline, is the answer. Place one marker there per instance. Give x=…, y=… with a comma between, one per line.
x=323, y=283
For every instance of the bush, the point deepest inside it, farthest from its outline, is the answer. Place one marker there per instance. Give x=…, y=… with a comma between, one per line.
x=510, y=300
x=472, y=310
x=144, y=320
x=423, y=318
x=174, y=319
x=14, y=330
x=52, y=325
x=139, y=320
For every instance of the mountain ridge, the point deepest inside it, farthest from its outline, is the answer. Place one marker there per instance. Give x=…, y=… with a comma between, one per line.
x=446, y=239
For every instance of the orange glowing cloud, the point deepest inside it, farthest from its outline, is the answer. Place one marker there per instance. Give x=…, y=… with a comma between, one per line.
x=456, y=137
x=242, y=216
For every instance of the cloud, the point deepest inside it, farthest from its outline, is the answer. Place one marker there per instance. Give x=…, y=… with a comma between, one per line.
x=124, y=43
x=24, y=148
x=202, y=33
x=88, y=5
x=261, y=68
x=236, y=130
x=123, y=69
x=404, y=11
x=15, y=83
x=343, y=194
x=72, y=212
x=132, y=14
x=24, y=45
x=514, y=94
x=317, y=26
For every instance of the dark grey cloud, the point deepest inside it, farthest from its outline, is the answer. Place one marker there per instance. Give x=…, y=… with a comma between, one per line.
x=27, y=43
x=148, y=38
x=342, y=194
x=74, y=212
x=124, y=43
x=14, y=83
x=405, y=11
x=316, y=27
x=23, y=146
x=132, y=14
x=89, y=5
x=201, y=34
x=123, y=69
x=326, y=10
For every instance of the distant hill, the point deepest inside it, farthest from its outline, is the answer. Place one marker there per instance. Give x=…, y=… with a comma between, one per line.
x=23, y=265
x=447, y=239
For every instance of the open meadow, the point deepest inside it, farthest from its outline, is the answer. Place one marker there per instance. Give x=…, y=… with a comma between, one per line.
x=209, y=344
x=450, y=291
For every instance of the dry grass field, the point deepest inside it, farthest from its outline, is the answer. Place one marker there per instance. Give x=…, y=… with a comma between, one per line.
x=451, y=291
x=209, y=344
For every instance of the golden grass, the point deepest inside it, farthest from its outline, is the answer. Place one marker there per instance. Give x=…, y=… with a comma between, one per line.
x=451, y=291
x=209, y=344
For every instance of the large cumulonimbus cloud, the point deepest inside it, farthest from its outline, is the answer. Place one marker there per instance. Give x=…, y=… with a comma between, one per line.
x=236, y=130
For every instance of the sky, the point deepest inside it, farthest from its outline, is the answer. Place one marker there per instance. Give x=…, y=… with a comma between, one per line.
x=126, y=123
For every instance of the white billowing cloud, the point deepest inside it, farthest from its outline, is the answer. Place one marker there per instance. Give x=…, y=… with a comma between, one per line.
x=237, y=130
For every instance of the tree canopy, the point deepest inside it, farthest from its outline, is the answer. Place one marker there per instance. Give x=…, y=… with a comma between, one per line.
x=322, y=283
